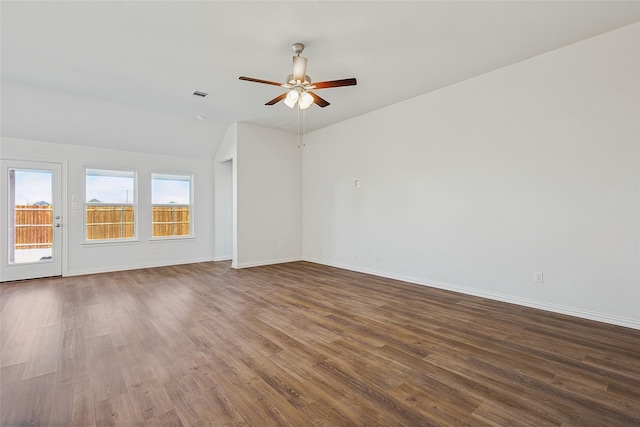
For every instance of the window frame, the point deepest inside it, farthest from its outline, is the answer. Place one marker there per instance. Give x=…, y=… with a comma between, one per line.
x=190, y=205
x=134, y=205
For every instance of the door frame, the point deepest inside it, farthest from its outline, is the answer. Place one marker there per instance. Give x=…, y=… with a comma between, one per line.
x=62, y=211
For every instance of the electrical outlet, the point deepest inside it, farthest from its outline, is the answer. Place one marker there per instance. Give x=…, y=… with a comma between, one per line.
x=538, y=277
x=154, y=249
x=280, y=246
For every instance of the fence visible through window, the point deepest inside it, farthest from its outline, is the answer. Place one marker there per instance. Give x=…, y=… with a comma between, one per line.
x=171, y=220
x=33, y=227
x=33, y=224
x=106, y=222
x=112, y=221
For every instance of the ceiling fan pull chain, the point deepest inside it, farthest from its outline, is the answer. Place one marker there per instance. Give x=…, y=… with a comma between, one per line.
x=298, y=126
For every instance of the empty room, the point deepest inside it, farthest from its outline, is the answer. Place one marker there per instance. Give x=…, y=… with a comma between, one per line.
x=320, y=213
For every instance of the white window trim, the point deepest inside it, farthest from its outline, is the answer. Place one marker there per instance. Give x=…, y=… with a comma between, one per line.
x=131, y=240
x=191, y=206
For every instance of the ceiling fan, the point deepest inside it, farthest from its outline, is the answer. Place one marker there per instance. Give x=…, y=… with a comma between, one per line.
x=299, y=84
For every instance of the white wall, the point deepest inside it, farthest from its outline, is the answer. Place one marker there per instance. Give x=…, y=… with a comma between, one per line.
x=227, y=152
x=226, y=180
x=530, y=168
x=223, y=177
x=99, y=257
x=269, y=196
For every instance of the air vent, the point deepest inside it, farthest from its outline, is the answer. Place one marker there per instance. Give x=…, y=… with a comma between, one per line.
x=200, y=94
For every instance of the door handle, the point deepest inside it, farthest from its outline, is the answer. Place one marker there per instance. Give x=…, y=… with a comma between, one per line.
x=58, y=225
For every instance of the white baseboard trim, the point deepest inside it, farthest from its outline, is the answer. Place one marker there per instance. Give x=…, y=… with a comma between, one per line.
x=113, y=268
x=266, y=262
x=223, y=258
x=554, y=308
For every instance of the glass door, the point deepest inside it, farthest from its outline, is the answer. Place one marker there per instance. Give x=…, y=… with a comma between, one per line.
x=31, y=231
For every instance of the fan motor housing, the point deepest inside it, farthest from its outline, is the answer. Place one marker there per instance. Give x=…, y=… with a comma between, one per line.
x=293, y=82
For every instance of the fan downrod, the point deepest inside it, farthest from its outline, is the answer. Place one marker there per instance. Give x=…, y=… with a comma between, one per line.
x=298, y=48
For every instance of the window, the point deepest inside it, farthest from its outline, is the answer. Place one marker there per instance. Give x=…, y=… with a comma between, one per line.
x=110, y=204
x=171, y=200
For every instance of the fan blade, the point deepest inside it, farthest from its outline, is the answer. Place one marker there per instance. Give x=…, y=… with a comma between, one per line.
x=277, y=99
x=316, y=99
x=249, y=79
x=335, y=83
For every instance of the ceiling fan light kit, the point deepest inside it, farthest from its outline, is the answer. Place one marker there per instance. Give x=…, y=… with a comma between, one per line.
x=291, y=98
x=299, y=84
x=305, y=100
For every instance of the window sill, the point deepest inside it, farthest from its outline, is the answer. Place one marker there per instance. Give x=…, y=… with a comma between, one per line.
x=110, y=242
x=171, y=238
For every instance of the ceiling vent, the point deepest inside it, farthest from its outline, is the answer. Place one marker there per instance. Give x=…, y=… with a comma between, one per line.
x=200, y=94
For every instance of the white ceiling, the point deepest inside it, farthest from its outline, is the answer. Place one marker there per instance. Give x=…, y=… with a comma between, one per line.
x=121, y=74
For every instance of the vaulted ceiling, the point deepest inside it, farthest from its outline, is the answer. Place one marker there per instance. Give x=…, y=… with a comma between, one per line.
x=122, y=74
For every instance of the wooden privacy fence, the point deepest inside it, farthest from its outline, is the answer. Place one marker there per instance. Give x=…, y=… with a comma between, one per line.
x=116, y=221
x=171, y=220
x=109, y=222
x=33, y=224
x=33, y=227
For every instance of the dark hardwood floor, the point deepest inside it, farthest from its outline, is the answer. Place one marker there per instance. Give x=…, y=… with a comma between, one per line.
x=300, y=344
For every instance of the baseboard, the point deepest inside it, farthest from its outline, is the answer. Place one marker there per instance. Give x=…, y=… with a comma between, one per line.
x=113, y=268
x=223, y=258
x=554, y=308
x=266, y=262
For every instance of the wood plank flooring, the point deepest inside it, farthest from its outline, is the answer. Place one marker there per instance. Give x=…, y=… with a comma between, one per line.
x=300, y=344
